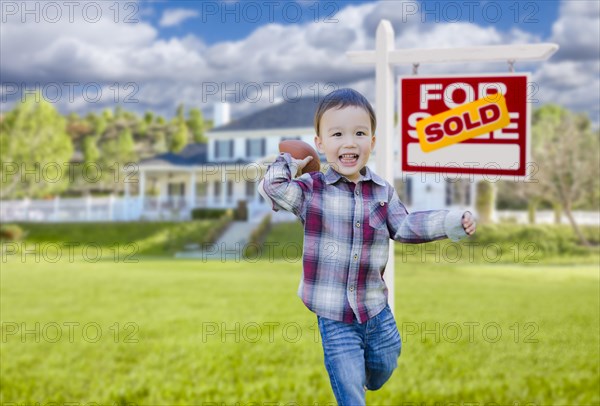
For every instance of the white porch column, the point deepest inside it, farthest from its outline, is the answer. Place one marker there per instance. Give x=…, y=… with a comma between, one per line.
x=88, y=207
x=142, y=191
x=125, y=204
x=56, y=208
x=192, y=190
x=111, y=206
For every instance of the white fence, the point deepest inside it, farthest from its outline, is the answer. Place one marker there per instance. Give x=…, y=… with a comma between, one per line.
x=547, y=217
x=179, y=208
x=72, y=209
x=114, y=209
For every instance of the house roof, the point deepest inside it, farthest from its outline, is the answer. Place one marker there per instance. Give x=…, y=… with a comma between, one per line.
x=191, y=154
x=293, y=113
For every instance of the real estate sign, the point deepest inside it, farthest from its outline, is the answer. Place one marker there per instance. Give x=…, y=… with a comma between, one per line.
x=476, y=125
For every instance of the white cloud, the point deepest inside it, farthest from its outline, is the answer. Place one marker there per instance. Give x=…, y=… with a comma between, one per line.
x=574, y=84
x=577, y=30
x=176, y=16
x=179, y=69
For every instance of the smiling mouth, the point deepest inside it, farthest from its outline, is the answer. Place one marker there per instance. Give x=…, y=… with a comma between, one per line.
x=348, y=158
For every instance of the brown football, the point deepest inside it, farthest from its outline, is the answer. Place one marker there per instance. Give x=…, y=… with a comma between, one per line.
x=300, y=150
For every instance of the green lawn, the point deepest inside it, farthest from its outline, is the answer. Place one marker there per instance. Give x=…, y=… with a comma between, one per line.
x=120, y=239
x=174, y=332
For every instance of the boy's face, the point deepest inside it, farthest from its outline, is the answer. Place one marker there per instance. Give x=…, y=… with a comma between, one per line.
x=346, y=140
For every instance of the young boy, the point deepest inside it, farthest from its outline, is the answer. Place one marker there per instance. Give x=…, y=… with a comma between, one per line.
x=349, y=214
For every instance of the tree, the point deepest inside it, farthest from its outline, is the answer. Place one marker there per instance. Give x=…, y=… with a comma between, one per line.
x=195, y=124
x=126, y=147
x=34, y=150
x=115, y=154
x=160, y=143
x=108, y=115
x=149, y=117
x=565, y=152
x=179, y=113
x=91, y=157
x=179, y=138
x=90, y=150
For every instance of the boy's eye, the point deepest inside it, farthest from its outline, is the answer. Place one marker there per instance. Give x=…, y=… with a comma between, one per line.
x=336, y=134
x=361, y=133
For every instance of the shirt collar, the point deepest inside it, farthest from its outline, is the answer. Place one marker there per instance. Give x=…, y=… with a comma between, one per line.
x=332, y=176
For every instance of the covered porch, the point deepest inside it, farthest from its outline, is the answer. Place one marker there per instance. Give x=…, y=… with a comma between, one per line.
x=171, y=191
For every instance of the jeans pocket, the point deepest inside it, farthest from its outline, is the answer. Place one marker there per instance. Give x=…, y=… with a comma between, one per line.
x=331, y=329
x=388, y=324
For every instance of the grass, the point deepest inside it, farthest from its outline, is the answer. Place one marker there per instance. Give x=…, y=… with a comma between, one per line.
x=179, y=332
x=127, y=238
x=499, y=244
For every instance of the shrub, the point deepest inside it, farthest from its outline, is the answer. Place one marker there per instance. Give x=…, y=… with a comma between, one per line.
x=11, y=232
x=204, y=213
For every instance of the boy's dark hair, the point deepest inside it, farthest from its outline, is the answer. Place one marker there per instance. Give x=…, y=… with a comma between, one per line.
x=341, y=98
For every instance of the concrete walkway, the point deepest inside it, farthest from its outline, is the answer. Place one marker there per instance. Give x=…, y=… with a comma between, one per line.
x=228, y=247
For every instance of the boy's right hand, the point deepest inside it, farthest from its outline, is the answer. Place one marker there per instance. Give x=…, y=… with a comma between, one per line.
x=300, y=164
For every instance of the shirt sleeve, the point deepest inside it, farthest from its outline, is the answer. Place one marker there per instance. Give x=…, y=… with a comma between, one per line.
x=283, y=191
x=422, y=226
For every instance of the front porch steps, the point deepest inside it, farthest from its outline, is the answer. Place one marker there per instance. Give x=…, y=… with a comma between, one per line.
x=228, y=247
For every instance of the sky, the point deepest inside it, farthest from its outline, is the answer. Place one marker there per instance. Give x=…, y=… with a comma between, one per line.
x=148, y=55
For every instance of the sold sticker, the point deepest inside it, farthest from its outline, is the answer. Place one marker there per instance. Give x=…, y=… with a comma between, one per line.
x=467, y=121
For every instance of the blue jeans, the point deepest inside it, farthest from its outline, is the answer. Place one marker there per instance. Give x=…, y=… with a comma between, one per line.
x=358, y=355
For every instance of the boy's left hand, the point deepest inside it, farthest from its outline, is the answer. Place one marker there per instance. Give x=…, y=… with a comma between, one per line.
x=468, y=223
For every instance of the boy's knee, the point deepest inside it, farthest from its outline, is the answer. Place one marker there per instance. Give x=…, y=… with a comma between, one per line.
x=376, y=379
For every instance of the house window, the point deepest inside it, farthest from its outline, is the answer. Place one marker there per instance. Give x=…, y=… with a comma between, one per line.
x=408, y=191
x=250, y=189
x=255, y=147
x=297, y=137
x=223, y=149
x=449, y=191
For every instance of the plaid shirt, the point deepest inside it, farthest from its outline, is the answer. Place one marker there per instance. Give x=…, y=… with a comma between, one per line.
x=347, y=228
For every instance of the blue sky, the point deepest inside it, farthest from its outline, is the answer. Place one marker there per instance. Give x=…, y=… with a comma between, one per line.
x=230, y=21
x=155, y=55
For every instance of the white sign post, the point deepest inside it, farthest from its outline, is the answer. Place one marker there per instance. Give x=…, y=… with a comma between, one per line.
x=385, y=56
